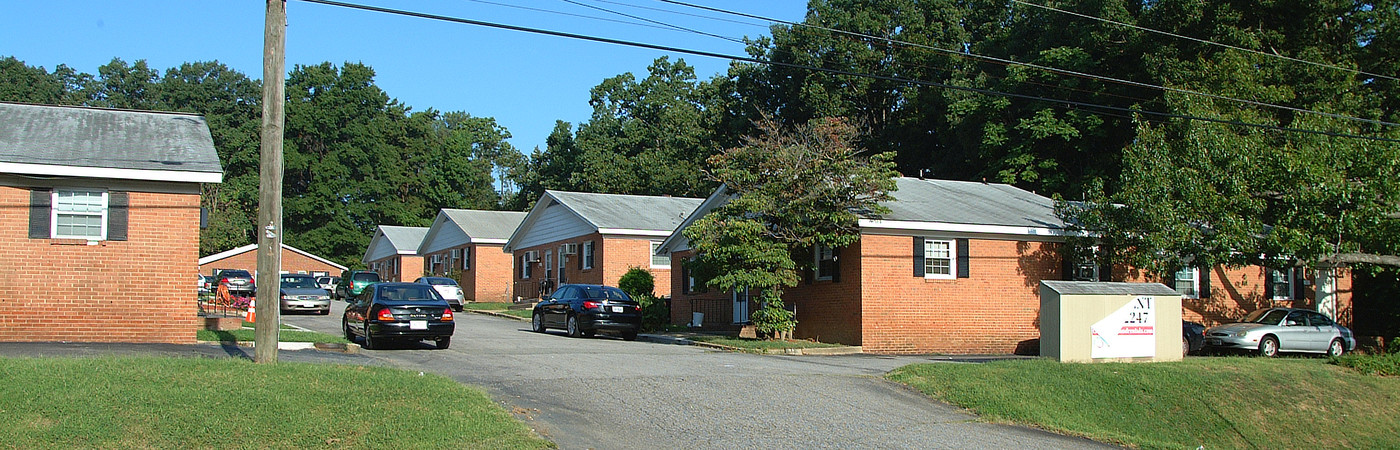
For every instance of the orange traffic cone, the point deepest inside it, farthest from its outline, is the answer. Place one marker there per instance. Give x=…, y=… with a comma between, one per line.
x=252, y=310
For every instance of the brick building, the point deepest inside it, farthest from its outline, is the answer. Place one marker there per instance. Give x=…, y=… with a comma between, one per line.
x=99, y=220
x=574, y=237
x=466, y=245
x=294, y=260
x=393, y=253
x=955, y=268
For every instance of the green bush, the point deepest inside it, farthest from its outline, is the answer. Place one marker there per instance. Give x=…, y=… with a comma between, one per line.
x=655, y=314
x=1383, y=365
x=637, y=282
x=773, y=320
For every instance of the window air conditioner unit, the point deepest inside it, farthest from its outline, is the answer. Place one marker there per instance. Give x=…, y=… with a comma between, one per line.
x=532, y=256
x=568, y=249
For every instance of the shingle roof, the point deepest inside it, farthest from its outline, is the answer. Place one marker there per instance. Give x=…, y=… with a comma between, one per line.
x=968, y=202
x=106, y=138
x=486, y=224
x=629, y=212
x=1106, y=288
x=404, y=238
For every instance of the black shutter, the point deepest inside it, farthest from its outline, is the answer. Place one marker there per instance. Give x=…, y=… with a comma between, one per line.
x=835, y=265
x=1268, y=283
x=685, y=276
x=1299, y=291
x=40, y=210
x=1204, y=291
x=918, y=256
x=117, y=206
x=1105, y=270
x=466, y=262
x=1067, y=265
x=582, y=247
x=1171, y=280
x=963, y=259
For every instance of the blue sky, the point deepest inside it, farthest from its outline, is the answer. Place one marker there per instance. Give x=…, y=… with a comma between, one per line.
x=525, y=81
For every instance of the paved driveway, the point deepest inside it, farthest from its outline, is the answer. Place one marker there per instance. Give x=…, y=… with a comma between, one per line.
x=609, y=393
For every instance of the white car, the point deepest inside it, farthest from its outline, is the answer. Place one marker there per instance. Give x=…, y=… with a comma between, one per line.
x=447, y=288
x=1273, y=330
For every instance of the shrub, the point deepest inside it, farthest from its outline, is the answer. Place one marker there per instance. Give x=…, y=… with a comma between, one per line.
x=1383, y=365
x=655, y=314
x=773, y=319
x=637, y=282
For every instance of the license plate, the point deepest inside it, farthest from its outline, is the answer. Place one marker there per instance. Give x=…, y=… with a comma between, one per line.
x=617, y=309
x=417, y=324
x=1213, y=341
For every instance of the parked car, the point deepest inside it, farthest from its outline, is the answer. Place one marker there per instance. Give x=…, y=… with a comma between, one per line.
x=1273, y=330
x=446, y=287
x=583, y=309
x=386, y=312
x=1193, y=337
x=353, y=282
x=328, y=283
x=301, y=293
x=239, y=281
x=204, y=285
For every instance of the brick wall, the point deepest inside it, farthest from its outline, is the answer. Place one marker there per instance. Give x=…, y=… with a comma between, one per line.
x=613, y=257
x=292, y=262
x=400, y=267
x=717, y=306
x=622, y=254
x=994, y=311
x=831, y=311
x=1235, y=291
x=489, y=278
x=138, y=290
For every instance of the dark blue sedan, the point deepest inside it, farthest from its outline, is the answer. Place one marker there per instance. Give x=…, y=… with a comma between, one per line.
x=584, y=309
x=386, y=312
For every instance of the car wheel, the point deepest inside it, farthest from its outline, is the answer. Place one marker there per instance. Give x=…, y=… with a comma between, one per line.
x=370, y=344
x=442, y=343
x=1185, y=346
x=1335, y=348
x=537, y=323
x=326, y=312
x=1268, y=346
x=349, y=336
x=629, y=335
x=573, y=329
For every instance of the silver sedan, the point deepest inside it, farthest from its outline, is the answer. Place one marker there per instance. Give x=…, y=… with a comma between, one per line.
x=1273, y=330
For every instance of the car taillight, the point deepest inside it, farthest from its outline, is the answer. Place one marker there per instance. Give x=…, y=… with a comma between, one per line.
x=447, y=315
x=591, y=305
x=385, y=315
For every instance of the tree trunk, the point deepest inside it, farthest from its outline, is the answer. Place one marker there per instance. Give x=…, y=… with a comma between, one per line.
x=1361, y=258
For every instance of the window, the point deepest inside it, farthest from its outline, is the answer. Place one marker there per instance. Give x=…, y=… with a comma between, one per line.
x=549, y=265
x=525, y=266
x=587, y=259
x=1188, y=282
x=938, y=259
x=1281, y=284
x=436, y=266
x=562, y=279
x=80, y=214
x=825, y=262
x=456, y=256
x=466, y=258
x=659, y=261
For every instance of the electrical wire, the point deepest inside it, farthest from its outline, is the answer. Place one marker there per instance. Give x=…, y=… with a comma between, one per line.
x=837, y=71
x=664, y=24
x=1046, y=68
x=550, y=11
x=1204, y=41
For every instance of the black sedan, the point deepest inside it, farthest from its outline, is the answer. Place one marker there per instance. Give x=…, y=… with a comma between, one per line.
x=1192, y=337
x=584, y=309
x=386, y=312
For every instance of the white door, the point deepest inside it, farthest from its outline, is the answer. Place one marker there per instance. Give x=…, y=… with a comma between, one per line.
x=741, y=306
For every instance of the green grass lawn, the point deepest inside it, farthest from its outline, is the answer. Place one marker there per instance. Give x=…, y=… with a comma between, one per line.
x=486, y=306
x=220, y=403
x=760, y=344
x=283, y=335
x=1216, y=402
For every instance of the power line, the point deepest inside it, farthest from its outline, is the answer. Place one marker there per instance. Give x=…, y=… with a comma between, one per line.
x=838, y=71
x=550, y=11
x=1204, y=41
x=1004, y=61
x=664, y=24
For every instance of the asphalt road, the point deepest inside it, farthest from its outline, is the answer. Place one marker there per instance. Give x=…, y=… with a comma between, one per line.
x=608, y=393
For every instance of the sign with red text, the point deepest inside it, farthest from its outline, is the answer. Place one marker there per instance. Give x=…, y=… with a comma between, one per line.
x=1130, y=332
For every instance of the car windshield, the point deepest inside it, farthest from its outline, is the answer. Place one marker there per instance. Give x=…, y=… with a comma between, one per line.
x=366, y=276
x=408, y=293
x=1266, y=316
x=604, y=293
x=299, y=283
x=440, y=281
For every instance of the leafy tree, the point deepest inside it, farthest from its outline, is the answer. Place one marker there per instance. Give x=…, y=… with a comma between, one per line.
x=788, y=192
x=21, y=83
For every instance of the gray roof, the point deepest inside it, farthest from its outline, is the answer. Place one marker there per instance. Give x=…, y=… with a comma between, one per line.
x=1106, y=288
x=630, y=212
x=486, y=224
x=404, y=238
x=106, y=138
x=970, y=202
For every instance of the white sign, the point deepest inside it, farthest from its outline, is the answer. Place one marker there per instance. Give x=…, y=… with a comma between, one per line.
x=1130, y=332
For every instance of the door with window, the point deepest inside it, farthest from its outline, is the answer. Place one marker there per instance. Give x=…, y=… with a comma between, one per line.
x=741, y=306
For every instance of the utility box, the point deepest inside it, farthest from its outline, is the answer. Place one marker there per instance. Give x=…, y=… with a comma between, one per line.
x=1089, y=321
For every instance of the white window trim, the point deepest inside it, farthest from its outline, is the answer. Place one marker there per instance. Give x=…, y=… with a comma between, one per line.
x=54, y=212
x=587, y=255
x=656, y=245
x=1195, y=282
x=525, y=266
x=817, y=262
x=466, y=258
x=952, y=260
x=548, y=265
x=1289, y=279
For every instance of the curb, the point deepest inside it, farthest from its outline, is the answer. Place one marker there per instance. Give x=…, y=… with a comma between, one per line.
x=497, y=314
x=823, y=351
x=351, y=348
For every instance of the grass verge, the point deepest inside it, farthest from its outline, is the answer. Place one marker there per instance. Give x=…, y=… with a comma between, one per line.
x=218, y=403
x=1229, y=402
x=283, y=335
x=485, y=306
x=760, y=345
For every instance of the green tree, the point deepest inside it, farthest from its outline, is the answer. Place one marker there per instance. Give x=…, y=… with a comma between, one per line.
x=22, y=83
x=788, y=192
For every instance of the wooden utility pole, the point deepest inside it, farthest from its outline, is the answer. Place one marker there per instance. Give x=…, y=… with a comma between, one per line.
x=269, y=223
